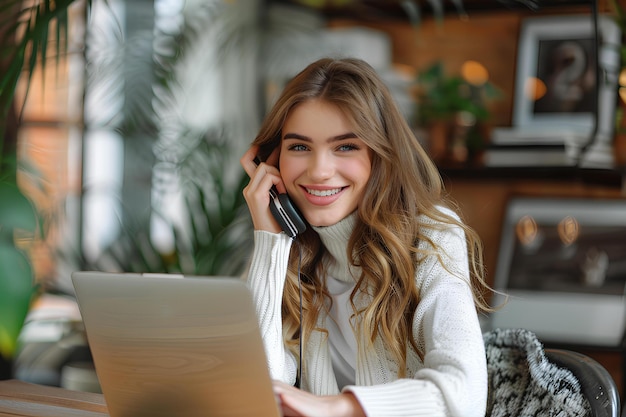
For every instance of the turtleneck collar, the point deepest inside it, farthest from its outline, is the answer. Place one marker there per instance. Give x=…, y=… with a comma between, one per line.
x=335, y=240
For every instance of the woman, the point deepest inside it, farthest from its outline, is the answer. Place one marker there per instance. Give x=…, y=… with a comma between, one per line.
x=389, y=277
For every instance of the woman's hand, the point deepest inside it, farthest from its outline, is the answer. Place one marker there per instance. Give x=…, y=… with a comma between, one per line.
x=295, y=402
x=256, y=193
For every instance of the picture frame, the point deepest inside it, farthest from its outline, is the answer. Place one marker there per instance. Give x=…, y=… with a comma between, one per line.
x=555, y=75
x=559, y=269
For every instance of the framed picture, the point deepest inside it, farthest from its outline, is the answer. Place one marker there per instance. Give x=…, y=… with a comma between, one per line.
x=561, y=269
x=556, y=79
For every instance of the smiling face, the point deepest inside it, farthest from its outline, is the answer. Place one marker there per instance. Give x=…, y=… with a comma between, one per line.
x=323, y=164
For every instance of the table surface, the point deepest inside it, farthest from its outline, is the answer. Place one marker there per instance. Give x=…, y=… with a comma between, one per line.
x=18, y=398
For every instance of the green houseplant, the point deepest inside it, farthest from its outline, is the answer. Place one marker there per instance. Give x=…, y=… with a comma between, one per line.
x=213, y=200
x=218, y=238
x=18, y=216
x=218, y=231
x=451, y=108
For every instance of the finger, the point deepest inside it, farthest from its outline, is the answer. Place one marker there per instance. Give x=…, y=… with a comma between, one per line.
x=257, y=197
x=272, y=161
x=247, y=160
x=279, y=386
x=269, y=167
x=281, y=391
x=280, y=186
x=288, y=411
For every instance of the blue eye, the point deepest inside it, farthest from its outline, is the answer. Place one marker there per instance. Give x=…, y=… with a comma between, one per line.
x=298, y=148
x=348, y=147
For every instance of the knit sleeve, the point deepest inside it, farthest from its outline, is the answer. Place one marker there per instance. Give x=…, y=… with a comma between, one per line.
x=403, y=397
x=452, y=379
x=446, y=325
x=266, y=279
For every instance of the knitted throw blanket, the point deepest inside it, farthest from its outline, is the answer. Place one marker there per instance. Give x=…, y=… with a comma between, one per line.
x=522, y=382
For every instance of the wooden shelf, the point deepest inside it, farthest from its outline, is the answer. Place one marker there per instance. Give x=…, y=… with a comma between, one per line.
x=385, y=10
x=604, y=177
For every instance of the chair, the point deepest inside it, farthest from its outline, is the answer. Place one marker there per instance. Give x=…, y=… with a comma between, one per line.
x=527, y=380
x=596, y=382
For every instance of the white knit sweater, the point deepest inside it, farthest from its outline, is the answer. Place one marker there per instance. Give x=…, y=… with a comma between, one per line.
x=452, y=379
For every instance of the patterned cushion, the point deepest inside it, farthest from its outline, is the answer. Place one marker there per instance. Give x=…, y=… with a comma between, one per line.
x=522, y=382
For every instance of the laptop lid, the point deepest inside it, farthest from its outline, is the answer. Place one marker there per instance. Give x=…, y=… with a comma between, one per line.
x=171, y=345
x=562, y=263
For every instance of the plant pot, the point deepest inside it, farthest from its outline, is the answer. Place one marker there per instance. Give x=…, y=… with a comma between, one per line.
x=6, y=368
x=438, y=140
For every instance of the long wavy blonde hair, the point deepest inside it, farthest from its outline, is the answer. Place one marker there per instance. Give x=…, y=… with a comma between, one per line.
x=403, y=185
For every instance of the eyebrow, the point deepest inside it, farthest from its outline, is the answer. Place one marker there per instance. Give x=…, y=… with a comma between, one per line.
x=349, y=135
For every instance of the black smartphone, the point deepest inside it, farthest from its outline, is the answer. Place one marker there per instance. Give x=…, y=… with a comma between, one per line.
x=285, y=212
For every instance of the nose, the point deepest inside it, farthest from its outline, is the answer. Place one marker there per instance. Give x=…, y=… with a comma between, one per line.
x=321, y=167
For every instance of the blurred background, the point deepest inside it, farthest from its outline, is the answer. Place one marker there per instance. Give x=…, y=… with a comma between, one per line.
x=123, y=123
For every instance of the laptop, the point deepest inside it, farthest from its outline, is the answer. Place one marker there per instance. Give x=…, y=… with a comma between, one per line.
x=168, y=345
x=562, y=263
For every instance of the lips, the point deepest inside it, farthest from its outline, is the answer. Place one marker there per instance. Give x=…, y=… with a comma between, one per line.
x=322, y=196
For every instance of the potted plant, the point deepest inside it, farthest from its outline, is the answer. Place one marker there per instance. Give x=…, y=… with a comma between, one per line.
x=17, y=287
x=217, y=199
x=451, y=109
x=217, y=238
x=18, y=216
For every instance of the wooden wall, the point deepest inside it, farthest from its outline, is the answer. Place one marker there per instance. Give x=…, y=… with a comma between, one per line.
x=490, y=38
x=487, y=37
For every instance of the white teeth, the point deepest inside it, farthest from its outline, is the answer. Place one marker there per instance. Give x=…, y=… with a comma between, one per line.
x=323, y=193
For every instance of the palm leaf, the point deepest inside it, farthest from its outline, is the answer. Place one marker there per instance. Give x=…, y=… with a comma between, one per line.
x=25, y=28
x=33, y=20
